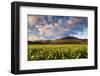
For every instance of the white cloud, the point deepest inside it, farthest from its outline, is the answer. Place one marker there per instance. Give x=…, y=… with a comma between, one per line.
x=72, y=21
x=32, y=20
x=52, y=30
x=33, y=37
x=45, y=27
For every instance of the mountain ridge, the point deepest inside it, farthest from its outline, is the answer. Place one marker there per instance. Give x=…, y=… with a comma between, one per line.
x=64, y=40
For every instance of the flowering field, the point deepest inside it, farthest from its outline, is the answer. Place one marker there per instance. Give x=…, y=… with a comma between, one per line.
x=57, y=51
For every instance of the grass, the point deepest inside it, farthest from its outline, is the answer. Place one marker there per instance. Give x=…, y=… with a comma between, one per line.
x=56, y=51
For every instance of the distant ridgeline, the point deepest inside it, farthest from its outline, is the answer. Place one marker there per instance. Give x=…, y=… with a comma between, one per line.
x=65, y=40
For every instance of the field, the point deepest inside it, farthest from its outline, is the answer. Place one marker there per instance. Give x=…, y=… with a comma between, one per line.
x=57, y=51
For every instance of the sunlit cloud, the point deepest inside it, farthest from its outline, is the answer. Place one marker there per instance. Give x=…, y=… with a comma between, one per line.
x=32, y=20
x=33, y=37
x=46, y=30
x=72, y=21
x=52, y=27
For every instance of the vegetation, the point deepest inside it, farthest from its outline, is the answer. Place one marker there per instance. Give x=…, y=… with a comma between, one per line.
x=56, y=51
x=65, y=40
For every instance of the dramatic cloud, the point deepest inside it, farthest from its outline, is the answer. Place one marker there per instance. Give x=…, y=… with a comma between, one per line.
x=33, y=37
x=46, y=30
x=72, y=21
x=52, y=27
x=32, y=20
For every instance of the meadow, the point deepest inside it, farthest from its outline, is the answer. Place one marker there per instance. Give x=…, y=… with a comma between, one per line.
x=57, y=51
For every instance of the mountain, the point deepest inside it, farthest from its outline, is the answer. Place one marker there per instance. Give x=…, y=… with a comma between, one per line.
x=65, y=40
x=70, y=37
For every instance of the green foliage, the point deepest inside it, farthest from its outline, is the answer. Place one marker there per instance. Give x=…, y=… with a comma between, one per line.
x=54, y=52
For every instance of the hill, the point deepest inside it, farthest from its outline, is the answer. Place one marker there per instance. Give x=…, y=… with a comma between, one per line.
x=65, y=40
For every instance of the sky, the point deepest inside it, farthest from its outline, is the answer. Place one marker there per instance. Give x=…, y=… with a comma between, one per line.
x=47, y=27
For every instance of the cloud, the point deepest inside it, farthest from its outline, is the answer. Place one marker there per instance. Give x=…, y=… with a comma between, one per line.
x=73, y=21
x=52, y=27
x=44, y=30
x=33, y=37
x=52, y=30
x=32, y=20
x=81, y=35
